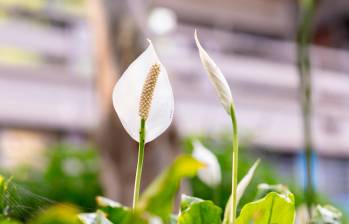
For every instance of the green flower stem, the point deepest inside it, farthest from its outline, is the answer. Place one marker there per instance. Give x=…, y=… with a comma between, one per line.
x=235, y=163
x=216, y=194
x=139, y=163
x=304, y=68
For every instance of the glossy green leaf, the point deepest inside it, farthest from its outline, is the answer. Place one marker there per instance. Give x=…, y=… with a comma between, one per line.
x=159, y=197
x=57, y=214
x=119, y=214
x=198, y=211
x=273, y=208
x=135, y=217
x=114, y=211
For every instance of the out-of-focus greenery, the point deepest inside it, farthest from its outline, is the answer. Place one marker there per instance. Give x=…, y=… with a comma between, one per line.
x=265, y=173
x=159, y=197
x=222, y=149
x=58, y=214
x=71, y=175
x=155, y=204
x=54, y=214
x=327, y=214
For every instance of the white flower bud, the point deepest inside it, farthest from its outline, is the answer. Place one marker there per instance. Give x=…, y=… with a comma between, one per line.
x=216, y=77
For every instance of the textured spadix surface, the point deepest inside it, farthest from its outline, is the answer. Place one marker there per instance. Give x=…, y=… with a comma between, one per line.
x=127, y=94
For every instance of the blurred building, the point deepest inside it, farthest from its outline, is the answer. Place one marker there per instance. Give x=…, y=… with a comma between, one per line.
x=47, y=83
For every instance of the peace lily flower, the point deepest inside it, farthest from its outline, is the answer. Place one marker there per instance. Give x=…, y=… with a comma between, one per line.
x=144, y=91
x=224, y=94
x=216, y=77
x=143, y=100
x=211, y=174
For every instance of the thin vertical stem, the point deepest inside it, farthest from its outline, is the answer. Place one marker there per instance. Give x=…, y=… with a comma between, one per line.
x=139, y=162
x=235, y=163
x=303, y=55
x=216, y=194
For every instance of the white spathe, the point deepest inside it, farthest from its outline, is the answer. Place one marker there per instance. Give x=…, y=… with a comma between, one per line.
x=127, y=94
x=216, y=76
x=211, y=173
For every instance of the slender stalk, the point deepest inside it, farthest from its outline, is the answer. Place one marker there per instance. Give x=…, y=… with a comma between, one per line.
x=304, y=68
x=216, y=194
x=235, y=163
x=139, y=162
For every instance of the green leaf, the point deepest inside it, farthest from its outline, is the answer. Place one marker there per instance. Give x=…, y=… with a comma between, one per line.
x=135, y=217
x=273, y=208
x=119, y=214
x=9, y=221
x=114, y=211
x=6, y=197
x=159, y=197
x=2, y=194
x=198, y=211
x=57, y=214
x=326, y=214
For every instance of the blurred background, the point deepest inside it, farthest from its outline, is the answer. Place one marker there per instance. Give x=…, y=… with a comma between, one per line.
x=60, y=138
